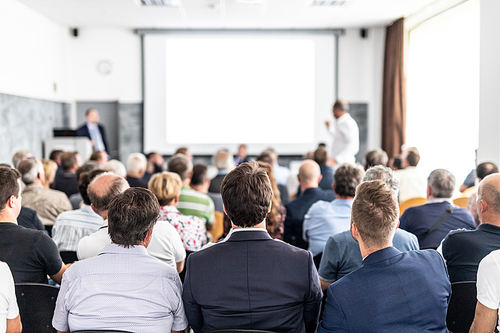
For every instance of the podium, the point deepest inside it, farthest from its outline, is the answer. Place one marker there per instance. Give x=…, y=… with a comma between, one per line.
x=82, y=145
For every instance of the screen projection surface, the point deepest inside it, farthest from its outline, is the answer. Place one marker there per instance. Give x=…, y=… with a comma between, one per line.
x=212, y=90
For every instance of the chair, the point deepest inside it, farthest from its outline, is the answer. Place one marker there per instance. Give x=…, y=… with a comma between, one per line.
x=461, y=201
x=68, y=257
x=218, y=226
x=462, y=306
x=410, y=203
x=468, y=192
x=36, y=302
x=236, y=330
x=100, y=331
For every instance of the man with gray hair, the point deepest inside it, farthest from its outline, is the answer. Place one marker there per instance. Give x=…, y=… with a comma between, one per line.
x=47, y=203
x=223, y=161
x=342, y=255
x=191, y=202
x=137, y=165
x=432, y=221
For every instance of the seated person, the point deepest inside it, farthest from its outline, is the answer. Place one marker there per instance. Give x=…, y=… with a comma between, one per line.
x=482, y=170
x=67, y=182
x=123, y=288
x=10, y=320
x=76, y=199
x=413, y=183
x=321, y=157
x=223, y=161
x=99, y=156
x=393, y=291
x=136, y=167
x=432, y=221
x=375, y=157
x=200, y=182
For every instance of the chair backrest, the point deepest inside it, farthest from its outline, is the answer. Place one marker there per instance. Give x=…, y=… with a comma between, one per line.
x=462, y=306
x=237, y=330
x=218, y=226
x=36, y=302
x=468, y=192
x=410, y=203
x=100, y=331
x=461, y=201
x=68, y=257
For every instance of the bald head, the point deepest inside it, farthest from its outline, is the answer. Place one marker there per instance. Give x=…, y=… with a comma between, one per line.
x=488, y=199
x=309, y=175
x=103, y=189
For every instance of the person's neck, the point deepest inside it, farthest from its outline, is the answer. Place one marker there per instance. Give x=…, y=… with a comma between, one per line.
x=492, y=219
x=8, y=217
x=261, y=225
x=366, y=251
x=306, y=186
x=200, y=188
x=342, y=197
x=36, y=182
x=135, y=174
x=186, y=182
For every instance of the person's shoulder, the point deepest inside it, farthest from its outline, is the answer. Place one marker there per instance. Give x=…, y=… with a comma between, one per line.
x=29, y=212
x=318, y=207
x=423, y=257
x=56, y=193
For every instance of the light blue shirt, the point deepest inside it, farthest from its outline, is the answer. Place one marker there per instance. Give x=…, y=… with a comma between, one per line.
x=95, y=135
x=325, y=219
x=120, y=289
x=73, y=225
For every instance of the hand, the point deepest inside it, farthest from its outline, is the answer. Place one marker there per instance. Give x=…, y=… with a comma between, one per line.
x=92, y=142
x=327, y=123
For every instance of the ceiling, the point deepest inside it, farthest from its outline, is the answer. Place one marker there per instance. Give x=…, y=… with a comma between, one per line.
x=226, y=14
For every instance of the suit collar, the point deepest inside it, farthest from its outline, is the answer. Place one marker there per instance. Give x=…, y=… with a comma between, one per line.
x=246, y=235
x=381, y=255
x=489, y=228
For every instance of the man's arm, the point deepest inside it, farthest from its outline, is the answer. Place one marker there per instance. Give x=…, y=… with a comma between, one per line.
x=325, y=285
x=485, y=319
x=333, y=317
x=58, y=276
x=312, y=305
x=193, y=309
x=14, y=325
x=180, y=265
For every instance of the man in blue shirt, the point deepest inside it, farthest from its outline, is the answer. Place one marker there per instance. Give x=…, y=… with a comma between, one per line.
x=324, y=218
x=393, y=291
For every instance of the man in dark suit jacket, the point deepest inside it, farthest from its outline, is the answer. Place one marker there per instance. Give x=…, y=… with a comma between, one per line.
x=93, y=130
x=392, y=291
x=250, y=281
x=309, y=177
x=223, y=161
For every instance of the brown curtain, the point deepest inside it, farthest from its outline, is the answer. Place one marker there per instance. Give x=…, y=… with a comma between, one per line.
x=394, y=94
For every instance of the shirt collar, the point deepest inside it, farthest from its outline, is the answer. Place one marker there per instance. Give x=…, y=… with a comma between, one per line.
x=91, y=126
x=249, y=229
x=439, y=200
x=118, y=249
x=380, y=255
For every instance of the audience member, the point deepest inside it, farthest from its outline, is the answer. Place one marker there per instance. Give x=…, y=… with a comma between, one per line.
x=275, y=218
x=136, y=167
x=77, y=199
x=30, y=254
x=279, y=279
x=393, y=291
x=321, y=157
x=116, y=167
x=99, y=156
x=469, y=181
x=19, y=156
x=29, y=219
x=464, y=249
x=200, y=182
x=413, y=183
x=72, y=226
x=184, y=151
x=47, y=203
x=342, y=255
x=483, y=170
x=395, y=163
x=123, y=288
x=155, y=165
x=487, y=318
x=223, y=161
x=67, y=181
x=93, y=130
x=281, y=173
x=191, y=202
x=241, y=156
x=266, y=157
x=50, y=170
x=10, y=320
x=166, y=186
x=309, y=177
x=432, y=221
x=375, y=157
x=345, y=134
x=55, y=155
x=324, y=218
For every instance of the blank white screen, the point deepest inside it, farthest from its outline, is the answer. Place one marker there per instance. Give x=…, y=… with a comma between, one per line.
x=212, y=90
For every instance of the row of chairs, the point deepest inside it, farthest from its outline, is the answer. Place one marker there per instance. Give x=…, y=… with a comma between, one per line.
x=460, y=202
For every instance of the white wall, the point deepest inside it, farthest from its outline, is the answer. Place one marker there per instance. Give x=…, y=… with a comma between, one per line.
x=361, y=63
x=122, y=48
x=489, y=109
x=32, y=53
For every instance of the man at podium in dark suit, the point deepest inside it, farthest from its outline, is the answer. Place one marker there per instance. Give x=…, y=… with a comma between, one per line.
x=92, y=130
x=249, y=280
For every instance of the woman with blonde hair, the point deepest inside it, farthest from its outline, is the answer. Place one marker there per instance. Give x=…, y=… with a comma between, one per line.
x=50, y=169
x=166, y=186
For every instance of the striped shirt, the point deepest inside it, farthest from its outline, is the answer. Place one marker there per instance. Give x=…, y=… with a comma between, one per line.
x=197, y=204
x=72, y=226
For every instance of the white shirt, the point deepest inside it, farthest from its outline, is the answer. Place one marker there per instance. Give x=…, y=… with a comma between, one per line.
x=488, y=282
x=345, y=133
x=8, y=301
x=412, y=184
x=165, y=245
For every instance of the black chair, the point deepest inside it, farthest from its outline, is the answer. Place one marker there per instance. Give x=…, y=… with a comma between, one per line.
x=68, y=257
x=36, y=302
x=98, y=331
x=229, y=330
x=317, y=259
x=462, y=306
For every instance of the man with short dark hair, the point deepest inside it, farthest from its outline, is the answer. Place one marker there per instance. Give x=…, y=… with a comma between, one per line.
x=30, y=254
x=139, y=292
x=393, y=291
x=67, y=182
x=321, y=157
x=46, y=202
x=484, y=169
x=309, y=177
x=191, y=202
x=324, y=218
x=432, y=221
x=342, y=255
x=258, y=283
x=200, y=182
x=99, y=156
x=413, y=183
